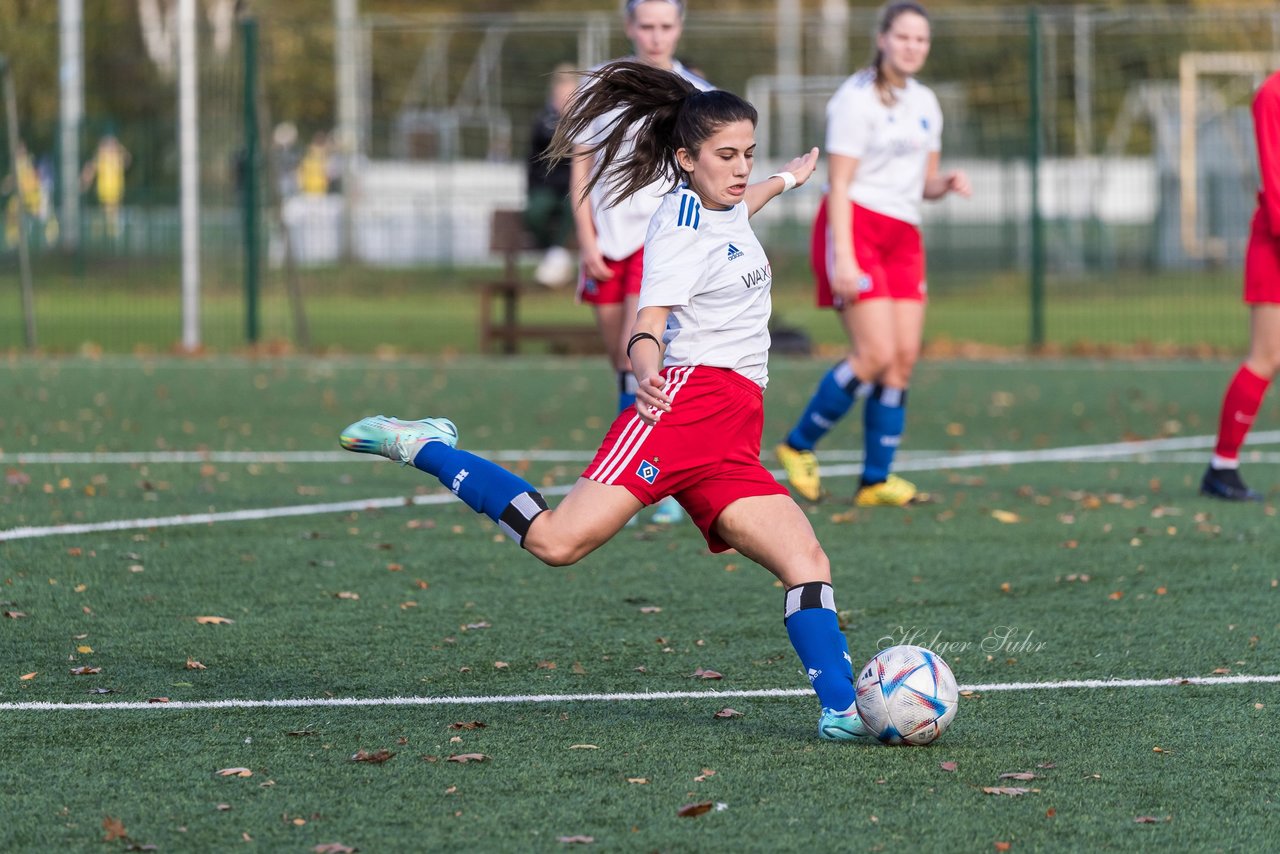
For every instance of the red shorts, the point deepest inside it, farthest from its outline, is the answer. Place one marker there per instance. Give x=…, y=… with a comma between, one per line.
x=705, y=451
x=889, y=251
x=625, y=282
x=1262, y=263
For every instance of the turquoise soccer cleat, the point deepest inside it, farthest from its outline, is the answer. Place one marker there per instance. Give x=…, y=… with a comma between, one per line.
x=395, y=439
x=844, y=726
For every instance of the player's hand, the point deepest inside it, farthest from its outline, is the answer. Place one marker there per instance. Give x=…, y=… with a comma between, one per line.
x=803, y=166
x=593, y=264
x=651, y=400
x=848, y=281
x=958, y=182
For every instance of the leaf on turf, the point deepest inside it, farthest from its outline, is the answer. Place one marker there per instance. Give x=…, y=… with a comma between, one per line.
x=1222, y=671
x=99, y=691
x=1115, y=595
x=233, y=772
x=192, y=664
x=472, y=626
x=1006, y=516
x=377, y=757
x=501, y=665
x=213, y=621
x=1012, y=791
x=84, y=649
x=576, y=840
x=705, y=674
x=467, y=725
x=578, y=668
x=639, y=781
x=333, y=848
x=301, y=732
x=85, y=670
x=114, y=828
x=223, y=807
x=584, y=747
x=728, y=713
x=1159, y=749
x=347, y=594
x=651, y=609
x=705, y=775
x=1046, y=765
x=948, y=766
x=14, y=477
x=1019, y=775
x=694, y=810
x=27, y=677
x=1003, y=846
x=546, y=665
x=1150, y=819
x=157, y=699
x=464, y=758
x=14, y=615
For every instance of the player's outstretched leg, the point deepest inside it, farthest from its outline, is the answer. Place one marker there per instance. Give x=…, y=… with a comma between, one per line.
x=430, y=446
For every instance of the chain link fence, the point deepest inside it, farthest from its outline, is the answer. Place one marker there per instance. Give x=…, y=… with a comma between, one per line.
x=386, y=147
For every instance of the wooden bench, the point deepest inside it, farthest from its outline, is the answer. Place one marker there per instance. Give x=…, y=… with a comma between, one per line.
x=501, y=330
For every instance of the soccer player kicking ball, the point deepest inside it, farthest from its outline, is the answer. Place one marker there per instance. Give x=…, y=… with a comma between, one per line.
x=1262, y=292
x=699, y=349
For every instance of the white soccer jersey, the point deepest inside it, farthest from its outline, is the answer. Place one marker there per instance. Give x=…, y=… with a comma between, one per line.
x=892, y=144
x=709, y=268
x=621, y=229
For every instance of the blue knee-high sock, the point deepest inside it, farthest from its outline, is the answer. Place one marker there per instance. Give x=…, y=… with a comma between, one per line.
x=815, y=633
x=883, y=420
x=626, y=390
x=836, y=392
x=483, y=486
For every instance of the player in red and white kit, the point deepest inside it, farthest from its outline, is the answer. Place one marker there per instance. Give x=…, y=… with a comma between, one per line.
x=611, y=232
x=699, y=348
x=1262, y=294
x=884, y=140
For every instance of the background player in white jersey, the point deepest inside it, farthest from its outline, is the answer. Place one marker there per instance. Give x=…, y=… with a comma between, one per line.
x=611, y=232
x=699, y=352
x=884, y=140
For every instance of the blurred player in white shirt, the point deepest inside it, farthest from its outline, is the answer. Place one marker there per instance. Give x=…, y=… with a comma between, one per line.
x=884, y=142
x=611, y=232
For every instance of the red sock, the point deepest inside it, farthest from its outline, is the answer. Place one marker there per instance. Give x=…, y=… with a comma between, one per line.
x=1239, y=408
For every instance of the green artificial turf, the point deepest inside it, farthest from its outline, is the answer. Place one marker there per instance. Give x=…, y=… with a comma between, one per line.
x=1090, y=569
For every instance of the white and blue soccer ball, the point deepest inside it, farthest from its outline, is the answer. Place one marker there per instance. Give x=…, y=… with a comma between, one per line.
x=906, y=695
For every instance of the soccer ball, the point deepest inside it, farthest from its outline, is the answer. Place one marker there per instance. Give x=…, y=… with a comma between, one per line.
x=906, y=695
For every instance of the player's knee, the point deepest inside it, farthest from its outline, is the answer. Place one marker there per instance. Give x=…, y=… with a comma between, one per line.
x=875, y=361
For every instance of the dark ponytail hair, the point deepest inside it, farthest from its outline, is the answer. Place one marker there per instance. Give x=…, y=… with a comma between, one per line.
x=884, y=22
x=658, y=110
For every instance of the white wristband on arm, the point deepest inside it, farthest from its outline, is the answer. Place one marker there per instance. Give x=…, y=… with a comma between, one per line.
x=788, y=180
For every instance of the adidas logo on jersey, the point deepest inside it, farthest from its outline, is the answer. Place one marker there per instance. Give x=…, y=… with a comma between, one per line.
x=735, y=253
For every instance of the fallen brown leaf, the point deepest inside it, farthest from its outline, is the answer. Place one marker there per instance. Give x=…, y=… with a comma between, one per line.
x=639, y=781
x=157, y=699
x=347, y=594
x=651, y=609
x=14, y=615
x=464, y=758
x=192, y=664
x=948, y=766
x=467, y=725
x=1013, y=791
x=213, y=621
x=694, y=810
x=377, y=757
x=333, y=848
x=584, y=747
x=706, y=674
x=1018, y=775
x=728, y=713
x=1003, y=846
x=114, y=828
x=576, y=840
x=85, y=670
x=1006, y=517
x=233, y=772
x=1148, y=819
x=706, y=773
x=28, y=676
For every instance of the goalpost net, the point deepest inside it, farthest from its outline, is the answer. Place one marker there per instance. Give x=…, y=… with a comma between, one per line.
x=1212, y=88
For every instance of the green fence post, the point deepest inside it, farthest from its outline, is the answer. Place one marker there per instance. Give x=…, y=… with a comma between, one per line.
x=1034, y=143
x=250, y=173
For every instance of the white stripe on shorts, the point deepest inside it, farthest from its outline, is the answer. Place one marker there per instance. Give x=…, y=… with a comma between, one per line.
x=634, y=434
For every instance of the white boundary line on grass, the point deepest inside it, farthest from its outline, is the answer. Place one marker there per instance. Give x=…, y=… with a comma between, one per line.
x=310, y=702
x=1074, y=453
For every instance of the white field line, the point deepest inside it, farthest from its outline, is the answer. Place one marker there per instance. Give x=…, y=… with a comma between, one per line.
x=930, y=459
x=310, y=702
x=1077, y=453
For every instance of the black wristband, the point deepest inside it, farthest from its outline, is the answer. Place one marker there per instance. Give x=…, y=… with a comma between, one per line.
x=640, y=336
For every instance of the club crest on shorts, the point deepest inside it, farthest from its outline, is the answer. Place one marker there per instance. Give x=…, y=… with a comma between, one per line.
x=648, y=472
